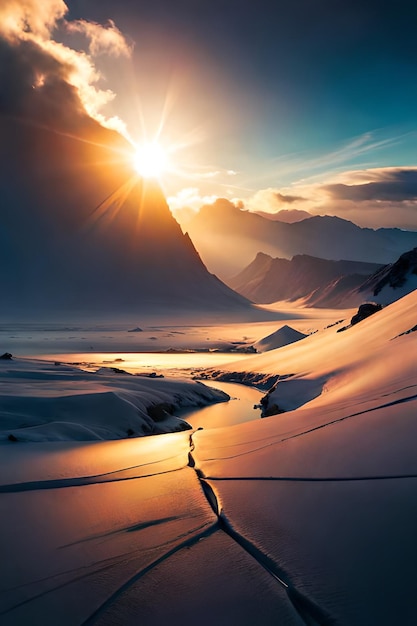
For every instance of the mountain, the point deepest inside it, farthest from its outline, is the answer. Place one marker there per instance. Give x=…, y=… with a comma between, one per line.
x=128, y=257
x=286, y=215
x=321, y=282
x=228, y=239
x=81, y=234
x=392, y=281
x=281, y=337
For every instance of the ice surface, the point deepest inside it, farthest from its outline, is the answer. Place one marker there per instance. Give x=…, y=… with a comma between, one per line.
x=68, y=549
x=306, y=517
x=349, y=547
x=237, y=591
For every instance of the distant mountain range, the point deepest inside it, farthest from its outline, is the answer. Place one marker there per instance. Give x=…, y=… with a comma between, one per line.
x=323, y=283
x=267, y=279
x=228, y=239
x=286, y=215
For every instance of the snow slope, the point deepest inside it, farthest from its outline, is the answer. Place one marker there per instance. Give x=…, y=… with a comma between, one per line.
x=46, y=402
x=281, y=337
x=307, y=517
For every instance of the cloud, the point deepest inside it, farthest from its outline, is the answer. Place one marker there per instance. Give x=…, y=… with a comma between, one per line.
x=287, y=199
x=271, y=200
x=28, y=28
x=202, y=173
x=189, y=198
x=102, y=39
x=26, y=19
x=394, y=185
x=378, y=197
x=309, y=167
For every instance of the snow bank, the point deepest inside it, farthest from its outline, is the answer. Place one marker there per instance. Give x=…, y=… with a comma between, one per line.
x=331, y=365
x=281, y=337
x=44, y=402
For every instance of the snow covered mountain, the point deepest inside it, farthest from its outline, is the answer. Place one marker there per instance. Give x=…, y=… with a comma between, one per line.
x=392, y=281
x=281, y=337
x=320, y=281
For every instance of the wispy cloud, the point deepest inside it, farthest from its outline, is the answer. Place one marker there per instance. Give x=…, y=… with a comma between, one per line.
x=305, y=167
x=105, y=39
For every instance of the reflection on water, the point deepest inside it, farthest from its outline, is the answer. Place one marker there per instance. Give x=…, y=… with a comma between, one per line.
x=239, y=409
x=171, y=364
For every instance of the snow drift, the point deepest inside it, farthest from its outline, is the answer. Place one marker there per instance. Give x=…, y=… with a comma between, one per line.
x=46, y=402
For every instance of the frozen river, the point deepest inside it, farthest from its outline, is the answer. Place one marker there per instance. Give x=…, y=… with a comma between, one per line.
x=239, y=409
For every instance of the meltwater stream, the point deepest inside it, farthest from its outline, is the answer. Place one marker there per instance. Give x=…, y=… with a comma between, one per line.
x=240, y=407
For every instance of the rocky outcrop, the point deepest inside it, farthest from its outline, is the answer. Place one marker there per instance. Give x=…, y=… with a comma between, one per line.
x=364, y=311
x=394, y=280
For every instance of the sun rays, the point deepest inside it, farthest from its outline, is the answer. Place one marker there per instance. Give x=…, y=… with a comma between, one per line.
x=151, y=160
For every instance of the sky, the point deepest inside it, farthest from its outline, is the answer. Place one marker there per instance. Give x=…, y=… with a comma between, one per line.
x=308, y=104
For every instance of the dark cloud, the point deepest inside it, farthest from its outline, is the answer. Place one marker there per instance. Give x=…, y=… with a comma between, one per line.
x=287, y=199
x=394, y=186
x=34, y=87
x=47, y=138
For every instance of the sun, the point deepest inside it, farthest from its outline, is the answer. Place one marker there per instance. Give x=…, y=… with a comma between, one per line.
x=150, y=160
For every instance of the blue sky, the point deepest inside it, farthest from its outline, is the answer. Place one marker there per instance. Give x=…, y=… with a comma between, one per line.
x=280, y=77
x=271, y=88
x=258, y=98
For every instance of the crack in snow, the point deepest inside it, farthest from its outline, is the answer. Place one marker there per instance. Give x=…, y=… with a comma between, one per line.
x=308, y=611
x=112, y=562
x=311, y=479
x=63, y=483
x=314, y=428
x=210, y=530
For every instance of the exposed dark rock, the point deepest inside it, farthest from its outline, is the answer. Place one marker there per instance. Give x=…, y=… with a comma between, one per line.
x=386, y=284
x=340, y=330
x=12, y=438
x=6, y=356
x=397, y=275
x=117, y=370
x=159, y=412
x=272, y=410
x=258, y=380
x=364, y=311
